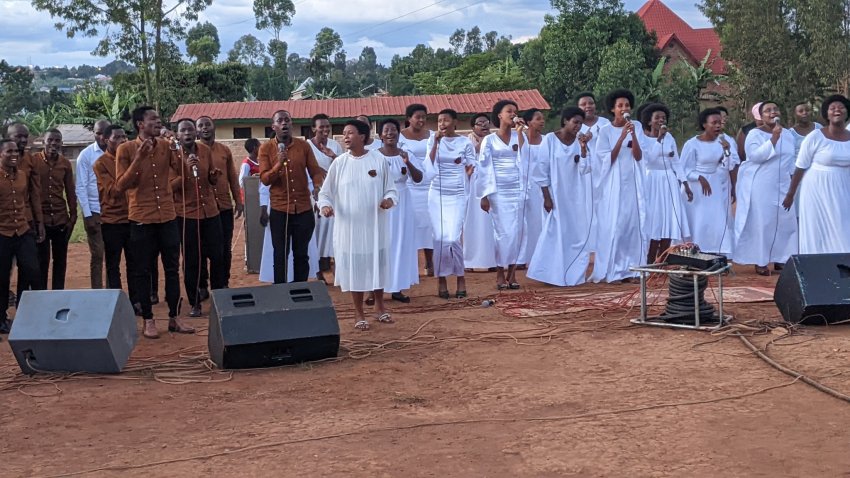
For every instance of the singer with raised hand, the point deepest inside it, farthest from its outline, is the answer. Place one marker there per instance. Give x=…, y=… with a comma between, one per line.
x=479, y=243
x=17, y=231
x=325, y=149
x=500, y=188
x=823, y=167
x=284, y=164
x=621, y=210
x=590, y=129
x=764, y=231
x=201, y=236
x=532, y=213
x=358, y=191
x=144, y=168
x=562, y=254
x=666, y=220
x=705, y=162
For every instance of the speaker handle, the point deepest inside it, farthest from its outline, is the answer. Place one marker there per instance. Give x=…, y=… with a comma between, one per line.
x=301, y=295
x=243, y=300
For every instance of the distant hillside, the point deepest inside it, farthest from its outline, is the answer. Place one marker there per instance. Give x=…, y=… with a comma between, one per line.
x=65, y=79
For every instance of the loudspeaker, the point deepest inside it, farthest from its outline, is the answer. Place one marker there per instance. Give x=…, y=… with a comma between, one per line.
x=272, y=325
x=814, y=289
x=73, y=331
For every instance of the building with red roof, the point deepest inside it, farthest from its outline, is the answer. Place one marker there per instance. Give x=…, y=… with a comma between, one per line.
x=677, y=39
x=252, y=119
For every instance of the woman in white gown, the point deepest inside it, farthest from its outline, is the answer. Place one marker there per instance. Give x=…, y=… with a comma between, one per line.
x=479, y=245
x=620, y=243
x=414, y=140
x=500, y=189
x=708, y=164
x=561, y=254
x=375, y=142
x=590, y=128
x=267, y=258
x=764, y=232
x=325, y=149
x=803, y=124
x=448, y=157
x=357, y=192
x=823, y=167
x=531, y=215
x=404, y=263
x=666, y=219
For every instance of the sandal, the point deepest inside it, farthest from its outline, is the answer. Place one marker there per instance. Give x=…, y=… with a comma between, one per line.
x=513, y=286
x=762, y=271
x=398, y=296
x=385, y=318
x=370, y=300
x=461, y=294
x=361, y=325
x=501, y=286
x=443, y=294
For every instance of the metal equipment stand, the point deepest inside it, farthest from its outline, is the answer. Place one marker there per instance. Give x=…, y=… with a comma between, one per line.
x=658, y=269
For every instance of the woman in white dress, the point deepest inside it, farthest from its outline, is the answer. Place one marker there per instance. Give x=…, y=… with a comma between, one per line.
x=325, y=149
x=592, y=124
x=734, y=148
x=500, y=189
x=267, y=257
x=357, y=192
x=803, y=124
x=414, y=140
x=374, y=140
x=449, y=155
x=823, y=167
x=666, y=219
x=404, y=263
x=708, y=164
x=621, y=241
x=479, y=245
x=764, y=232
x=531, y=216
x=561, y=255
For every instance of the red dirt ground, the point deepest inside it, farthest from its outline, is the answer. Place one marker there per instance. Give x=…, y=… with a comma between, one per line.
x=473, y=394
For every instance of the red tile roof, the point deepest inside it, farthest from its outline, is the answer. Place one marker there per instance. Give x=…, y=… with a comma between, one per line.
x=660, y=18
x=351, y=107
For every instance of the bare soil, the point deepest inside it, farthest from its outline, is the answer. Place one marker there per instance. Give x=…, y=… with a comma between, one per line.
x=451, y=390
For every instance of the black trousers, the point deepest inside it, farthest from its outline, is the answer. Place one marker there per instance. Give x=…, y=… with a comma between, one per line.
x=226, y=217
x=116, y=240
x=155, y=273
x=148, y=240
x=202, y=241
x=55, y=243
x=23, y=250
x=295, y=231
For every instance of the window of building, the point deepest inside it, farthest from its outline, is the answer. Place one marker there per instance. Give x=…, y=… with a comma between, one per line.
x=269, y=132
x=241, y=133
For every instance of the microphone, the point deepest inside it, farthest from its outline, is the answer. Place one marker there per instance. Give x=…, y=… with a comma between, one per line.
x=516, y=120
x=627, y=116
x=281, y=147
x=195, y=170
x=776, y=120
x=663, y=126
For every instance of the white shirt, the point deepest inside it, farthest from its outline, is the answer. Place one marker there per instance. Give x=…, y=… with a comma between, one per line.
x=86, y=180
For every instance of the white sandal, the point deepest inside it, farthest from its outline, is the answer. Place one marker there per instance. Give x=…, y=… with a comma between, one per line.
x=361, y=325
x=385, y=318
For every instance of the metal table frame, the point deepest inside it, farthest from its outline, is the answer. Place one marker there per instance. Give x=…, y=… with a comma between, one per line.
x=645, y=270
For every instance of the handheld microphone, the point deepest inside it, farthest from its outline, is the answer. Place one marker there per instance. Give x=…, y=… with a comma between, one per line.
x=776, y=120
x=663, y=126
x=627, y=116
x=516, y=120
x=195, y=170
x=281, y=147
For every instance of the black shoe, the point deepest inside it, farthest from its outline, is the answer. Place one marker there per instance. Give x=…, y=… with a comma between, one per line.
x=154, y=299
x=5, y=326
x=203, y=294
x=398, y=296
x=196, y=311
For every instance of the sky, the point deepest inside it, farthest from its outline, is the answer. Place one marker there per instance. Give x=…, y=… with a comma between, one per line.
x=28, y=37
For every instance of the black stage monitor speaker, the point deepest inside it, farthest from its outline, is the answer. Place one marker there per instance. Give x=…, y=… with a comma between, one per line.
x=73, y=331
x=272, y=325
x=814, y=289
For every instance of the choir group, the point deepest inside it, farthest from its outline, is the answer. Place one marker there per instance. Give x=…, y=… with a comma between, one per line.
x=617, y=190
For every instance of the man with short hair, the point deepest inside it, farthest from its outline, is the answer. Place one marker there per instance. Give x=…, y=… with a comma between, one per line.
x=284, y=164
x=58, y=207
x=227, y=193
x=87, y=195
x=145, y=168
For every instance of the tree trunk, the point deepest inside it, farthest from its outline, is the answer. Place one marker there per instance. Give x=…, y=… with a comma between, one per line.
x=146, y=74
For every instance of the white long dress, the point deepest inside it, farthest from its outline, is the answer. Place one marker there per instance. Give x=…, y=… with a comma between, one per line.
x=323, y=235
x=479, y=243
x=709, y=217
x=798, y=138
x=591, y=181
x=447, y=201
x=267, y=259
x=764, y=231
x=620, y=240
x=501, y=182
x=354, y=188
x=532, y=213
x=404, y=262
x=824, y=192
x=666, y=217
x=562, y=254
x=419, y=191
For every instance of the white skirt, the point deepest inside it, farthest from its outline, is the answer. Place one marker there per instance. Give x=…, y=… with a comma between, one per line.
x=424, y=238
x=504, y=212
x=479, y=243
x=824, y=224
x=404, y=260
x=666, y=217
x=710, y=217
x=447, y=215
x=324, y=236
x=532, y=217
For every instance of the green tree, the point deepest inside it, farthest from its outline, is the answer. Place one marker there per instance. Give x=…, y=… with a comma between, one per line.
x=139, y=32
x=249, y=50
x=622, y=66
x=474, y=44
x=202, y=43
x=16, y=91
x=328, y=45
x=273, y=15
